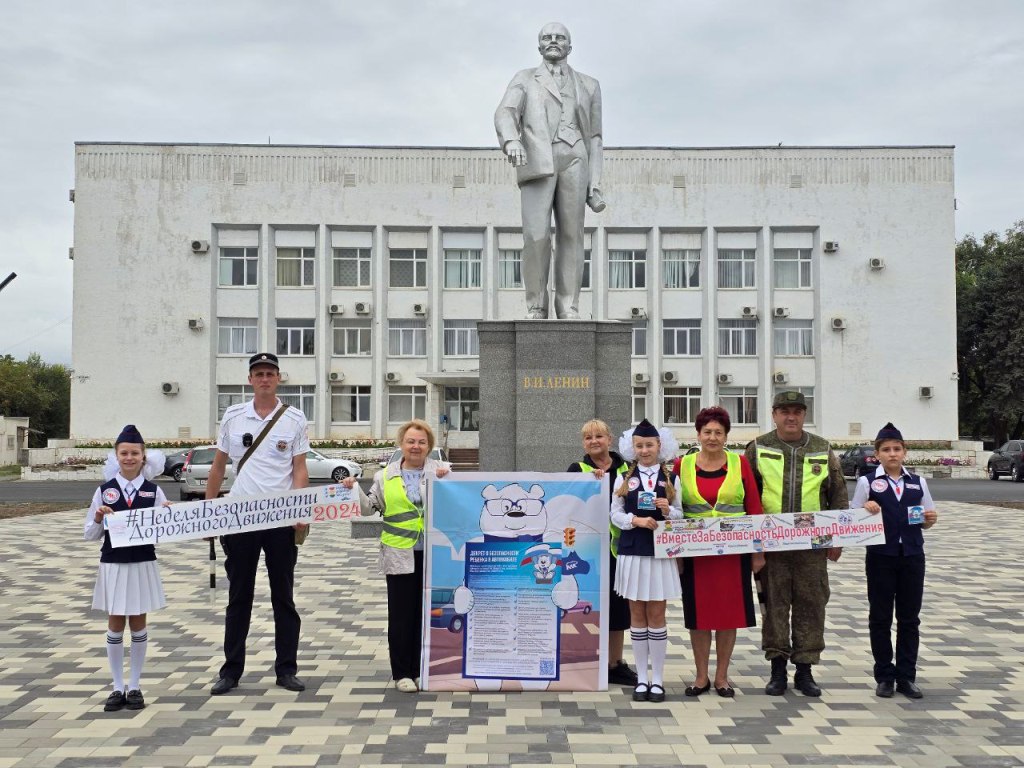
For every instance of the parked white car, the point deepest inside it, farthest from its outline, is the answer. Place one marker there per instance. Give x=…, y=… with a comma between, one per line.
x=197, y=470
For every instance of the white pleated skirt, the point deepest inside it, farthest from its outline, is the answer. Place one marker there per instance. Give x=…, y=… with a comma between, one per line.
x=638, y=577
x=128, y=589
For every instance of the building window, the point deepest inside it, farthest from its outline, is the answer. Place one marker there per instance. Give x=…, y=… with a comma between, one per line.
x=793, y=338
x=462, y=406
x=406, y=403
x=295, y=337
x=238, y=266
x=231, y=395
x=736, y=267
x=792, y=267
x=639, y=338
x=627, y=269
x=682, y=404
x=296, y=267
x=302, y=397
x=236, y=336
x=461, y=268
x=352, y=338
x=808, y=393
x=407, y=338
x=351, y=268
x=510, y=268
x=639, y=404
x=680, y=268
x=350, y=405
x=407, y=267
x=740, y=402
x=737, y=338
x=585, y=285
x=681, y=338
x=461, y=339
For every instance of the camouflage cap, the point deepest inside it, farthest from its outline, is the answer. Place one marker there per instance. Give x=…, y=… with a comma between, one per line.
x=789, y=397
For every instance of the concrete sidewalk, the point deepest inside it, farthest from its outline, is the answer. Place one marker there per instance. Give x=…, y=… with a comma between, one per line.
x=54, y=677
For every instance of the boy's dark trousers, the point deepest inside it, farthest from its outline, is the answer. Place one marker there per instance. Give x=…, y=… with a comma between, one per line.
x=895, y=586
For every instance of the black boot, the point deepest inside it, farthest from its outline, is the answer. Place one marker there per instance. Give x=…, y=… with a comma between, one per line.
x=777, y=685
x=803, y=681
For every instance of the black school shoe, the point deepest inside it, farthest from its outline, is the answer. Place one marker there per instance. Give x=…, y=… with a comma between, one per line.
x=621, y=674
x=116, y=701
x=135, y=700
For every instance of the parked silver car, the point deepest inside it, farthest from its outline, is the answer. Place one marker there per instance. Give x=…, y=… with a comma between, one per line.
x=197, y=470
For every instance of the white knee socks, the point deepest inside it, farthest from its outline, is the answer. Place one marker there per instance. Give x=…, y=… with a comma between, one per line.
x=115, y=655
x=657, y=639
x=638, y=636
x=137, y=657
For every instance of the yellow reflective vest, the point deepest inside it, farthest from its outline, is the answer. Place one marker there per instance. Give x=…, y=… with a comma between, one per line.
x=403, y=520
x=730, y=495
x=614, y=531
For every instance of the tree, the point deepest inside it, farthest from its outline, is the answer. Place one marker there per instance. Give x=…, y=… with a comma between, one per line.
x=38, y=390
x=990, y=334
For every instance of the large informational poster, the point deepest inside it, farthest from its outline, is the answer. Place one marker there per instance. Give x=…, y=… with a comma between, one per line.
x=516, y=582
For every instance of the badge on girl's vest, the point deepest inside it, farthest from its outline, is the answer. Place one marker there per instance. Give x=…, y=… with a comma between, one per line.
x=634, y=483
x=879, y=485
x=111, y=495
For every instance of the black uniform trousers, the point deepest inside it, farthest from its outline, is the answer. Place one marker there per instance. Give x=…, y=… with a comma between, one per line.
x=242, y=551
x=894, y=582
x=405, y=617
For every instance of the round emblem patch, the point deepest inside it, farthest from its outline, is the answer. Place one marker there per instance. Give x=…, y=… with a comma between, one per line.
x=111, y=495
x=878, y=486
x=281, y=445
x=634, y=483
x=816, y=469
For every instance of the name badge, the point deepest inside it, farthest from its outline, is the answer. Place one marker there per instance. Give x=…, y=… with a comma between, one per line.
x=915, y=515
x=645, y=500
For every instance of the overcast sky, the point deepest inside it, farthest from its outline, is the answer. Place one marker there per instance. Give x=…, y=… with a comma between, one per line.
x=428, y=72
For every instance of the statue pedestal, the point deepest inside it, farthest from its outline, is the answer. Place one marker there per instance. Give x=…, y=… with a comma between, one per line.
x=540, y=380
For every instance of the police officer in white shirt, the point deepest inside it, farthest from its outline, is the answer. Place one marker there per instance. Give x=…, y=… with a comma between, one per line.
x=277, y=464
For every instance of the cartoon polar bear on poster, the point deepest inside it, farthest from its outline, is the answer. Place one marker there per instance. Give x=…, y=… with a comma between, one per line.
x=515, y=514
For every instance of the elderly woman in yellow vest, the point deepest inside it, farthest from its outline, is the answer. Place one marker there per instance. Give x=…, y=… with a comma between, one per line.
x=716, y=589
x=398, y=493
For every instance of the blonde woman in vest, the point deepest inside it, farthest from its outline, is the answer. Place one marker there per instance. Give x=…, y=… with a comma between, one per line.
x=643, y=496
x=716, y=589
x=398, y=493
x=600, y=459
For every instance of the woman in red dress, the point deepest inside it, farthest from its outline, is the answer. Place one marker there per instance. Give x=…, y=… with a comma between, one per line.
x=717, y=596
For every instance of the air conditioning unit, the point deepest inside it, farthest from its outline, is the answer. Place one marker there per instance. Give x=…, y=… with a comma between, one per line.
x=925, y=392
x=725, y=378
x=780, y=377
x=200, y=246
x=419, y=309
x=876, y=263
x=781, y=312
x=749, y=311
x=641, y=378
x=336, y=376
x=831, y=246
x=392, y=377
x=196, y=323
x=637, y=312
x=336, y=309
x=363, y=307
x=838, y=324
x=284, y=376
x=169, y=387
x=669, y=377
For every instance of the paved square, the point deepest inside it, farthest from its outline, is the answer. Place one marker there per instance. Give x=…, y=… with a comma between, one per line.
x=54, y=677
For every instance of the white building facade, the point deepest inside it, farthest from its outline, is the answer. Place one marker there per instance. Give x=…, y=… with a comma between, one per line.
x=743, y=271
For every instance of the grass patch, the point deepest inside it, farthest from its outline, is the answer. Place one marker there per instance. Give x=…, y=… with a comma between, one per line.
x=26, y=508
x=10, y=470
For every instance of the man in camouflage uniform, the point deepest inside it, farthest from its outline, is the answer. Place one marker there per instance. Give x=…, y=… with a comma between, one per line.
x=797, y=472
